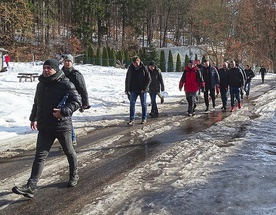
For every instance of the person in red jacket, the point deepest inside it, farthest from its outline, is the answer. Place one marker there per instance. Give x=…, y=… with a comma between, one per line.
x=192, y=81
x=7, y=59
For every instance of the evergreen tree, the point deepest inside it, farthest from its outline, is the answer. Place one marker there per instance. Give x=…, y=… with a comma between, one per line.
x=162, y=61
x=112, y=59
x=196, y=57
x=141, y=54
x=170, y=62
x=178, y=64
x=186, y=60
x=98, y=59
x=105, y=57
x=203, y=58
x=90, y=55
x=127, y=60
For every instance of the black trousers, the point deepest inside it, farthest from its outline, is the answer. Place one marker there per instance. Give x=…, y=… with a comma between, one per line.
x=44, y=143
x=212, y=93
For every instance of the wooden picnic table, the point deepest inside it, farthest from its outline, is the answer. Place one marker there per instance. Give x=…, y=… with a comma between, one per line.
x=28, y=76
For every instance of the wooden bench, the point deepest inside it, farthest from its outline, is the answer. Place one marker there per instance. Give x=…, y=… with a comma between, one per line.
x=35, y=76
x=27, y=76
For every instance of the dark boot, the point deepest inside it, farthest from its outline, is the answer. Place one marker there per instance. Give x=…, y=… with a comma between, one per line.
x=25, y=190
x=73, y=181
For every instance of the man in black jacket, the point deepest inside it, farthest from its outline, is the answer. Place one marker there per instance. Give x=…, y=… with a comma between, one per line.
x=249, y=75
x=223, y=84
x=156, y=85
x=56, y=99
x=137, y=84
x=78, y=80
x=236, y=83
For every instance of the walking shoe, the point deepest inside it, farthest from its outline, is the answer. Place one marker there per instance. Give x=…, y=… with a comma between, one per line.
x=239, y=105
x=143, y=121
x=154, y=115
x=73, y=181
x=232, y=109
x=189, y=114
x=131, y=122
x=74, y=142
x=25, y=190
x=162, y=100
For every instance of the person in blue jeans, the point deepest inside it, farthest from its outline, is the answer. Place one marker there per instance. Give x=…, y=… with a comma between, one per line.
x=249, y=75
x=236, y=83
x=137, y=84
x=156, y=85
x=223, y=75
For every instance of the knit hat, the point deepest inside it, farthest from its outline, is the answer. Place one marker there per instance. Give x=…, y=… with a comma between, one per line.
x=152, y=63
x=69, y=57
x=52, y=63
x=191, y=61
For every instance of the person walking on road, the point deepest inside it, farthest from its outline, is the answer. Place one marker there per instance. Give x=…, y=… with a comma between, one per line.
x=78, y=80
x=249, y=75
x=155, y=86
x=56, y=99
x=262, y=72
x=191, y=80
x=211, y=79
x=137, y=84
x=223, y=85
x=236, y=83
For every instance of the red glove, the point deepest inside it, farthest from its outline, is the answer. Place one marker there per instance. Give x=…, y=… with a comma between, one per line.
x=202, y=84
x=217, y=89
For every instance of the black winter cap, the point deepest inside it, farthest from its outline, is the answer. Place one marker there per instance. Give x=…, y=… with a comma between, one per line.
x=191, y=61
x=152, y=63
x=52, y=63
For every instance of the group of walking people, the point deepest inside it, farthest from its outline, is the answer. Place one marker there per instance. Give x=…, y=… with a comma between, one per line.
x=60, y=92
x=212, y=81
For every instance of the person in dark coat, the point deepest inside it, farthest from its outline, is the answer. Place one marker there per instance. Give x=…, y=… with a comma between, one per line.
x=211, y=79
x=155, y=86
x=78, y=80
x=223, y=84
x=56, y=99
x=262, y=72
x=249, y=75
x=236, y=83
x=137, y=84
x=192, y=80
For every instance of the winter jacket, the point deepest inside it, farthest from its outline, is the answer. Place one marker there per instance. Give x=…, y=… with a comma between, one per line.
x=191, y=79
x=210, y=77
x=156, y=83
x=249, y=74
x=137, y=79
x=77, y=79
x=262, y=71
x=223, y=77
x=50, y=91
x=235, y=77
x=7, y=58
